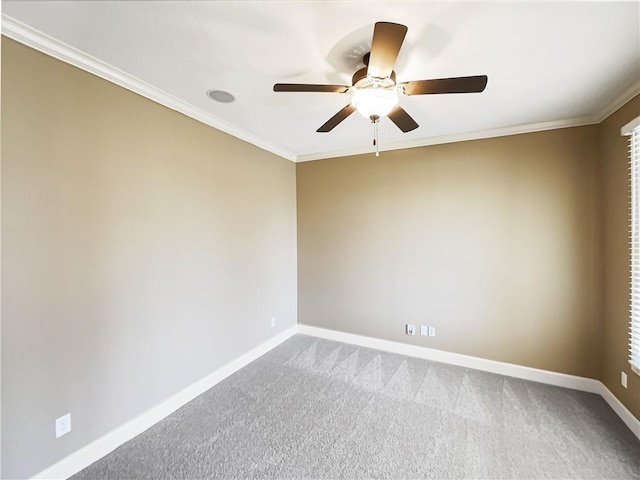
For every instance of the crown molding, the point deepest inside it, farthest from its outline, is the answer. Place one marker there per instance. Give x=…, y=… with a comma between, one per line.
x=458, y=137
x=38, y=40
x=610, y=108
x=618, y=101
x=44, y=43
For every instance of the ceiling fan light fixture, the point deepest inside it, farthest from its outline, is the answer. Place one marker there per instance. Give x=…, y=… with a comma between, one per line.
x=374, y=86
x=376, y=102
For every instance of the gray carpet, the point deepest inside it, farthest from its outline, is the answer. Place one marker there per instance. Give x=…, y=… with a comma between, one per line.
x=313, y=408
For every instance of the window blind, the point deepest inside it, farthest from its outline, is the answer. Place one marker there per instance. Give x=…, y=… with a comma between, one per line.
x=633, y=130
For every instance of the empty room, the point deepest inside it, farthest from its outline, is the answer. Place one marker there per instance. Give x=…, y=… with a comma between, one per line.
x=312, y=239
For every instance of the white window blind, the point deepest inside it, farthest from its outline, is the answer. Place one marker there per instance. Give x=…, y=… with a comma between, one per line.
x=633, y=130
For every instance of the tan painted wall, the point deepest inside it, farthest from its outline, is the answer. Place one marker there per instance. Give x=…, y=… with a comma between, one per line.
x=616, y=192
x=141, y=250
x=494, y=242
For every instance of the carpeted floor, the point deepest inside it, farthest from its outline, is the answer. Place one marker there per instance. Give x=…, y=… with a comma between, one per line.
x=313, y=408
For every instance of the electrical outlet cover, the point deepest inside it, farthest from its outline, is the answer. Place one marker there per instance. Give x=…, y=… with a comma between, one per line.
x=63, y=425
x=424, y=330
x=411, y=330
x=623, y=379
x=432, y=331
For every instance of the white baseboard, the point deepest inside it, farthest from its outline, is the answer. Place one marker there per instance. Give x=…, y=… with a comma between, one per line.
x=518, y=371
x=623, y=412
x=508, y=369
x=97, y=449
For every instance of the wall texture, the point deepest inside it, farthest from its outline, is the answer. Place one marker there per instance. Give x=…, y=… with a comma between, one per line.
x=494, y=242
x=616, y=191
x=141, y=250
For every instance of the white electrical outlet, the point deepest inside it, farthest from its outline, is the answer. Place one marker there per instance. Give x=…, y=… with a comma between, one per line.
x=63, y=425
x=432, y=331
x=424, y=330
x=411, y=329
x=623, y=379
x=273, y=322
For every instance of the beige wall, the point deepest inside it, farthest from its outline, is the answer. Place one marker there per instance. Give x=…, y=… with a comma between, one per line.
x=615, y=184
x=494, y=242
x=141, y=250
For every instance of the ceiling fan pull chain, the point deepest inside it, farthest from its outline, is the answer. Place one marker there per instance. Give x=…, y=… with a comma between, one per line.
x=375, y=134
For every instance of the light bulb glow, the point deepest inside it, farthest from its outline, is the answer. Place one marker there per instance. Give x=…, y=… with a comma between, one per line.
x=375, y=101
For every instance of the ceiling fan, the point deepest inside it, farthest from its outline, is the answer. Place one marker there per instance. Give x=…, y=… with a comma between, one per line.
x=375, y=91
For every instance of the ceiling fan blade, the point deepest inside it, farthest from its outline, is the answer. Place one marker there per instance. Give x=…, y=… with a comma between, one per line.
x=385, y=46
x=336, y=119
x=402, y=119
x=302, y=87
x=474, y=84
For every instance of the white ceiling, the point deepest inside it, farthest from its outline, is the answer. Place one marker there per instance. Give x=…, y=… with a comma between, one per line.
x=549, y=63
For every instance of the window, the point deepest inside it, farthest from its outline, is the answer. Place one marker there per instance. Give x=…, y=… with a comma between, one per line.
x=632, y=129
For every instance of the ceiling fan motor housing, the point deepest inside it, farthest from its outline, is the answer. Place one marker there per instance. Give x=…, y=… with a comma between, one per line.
x=362, y=80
